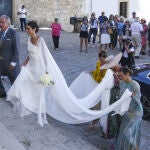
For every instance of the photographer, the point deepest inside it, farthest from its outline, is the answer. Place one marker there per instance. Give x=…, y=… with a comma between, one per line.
x=127, y=59
x=93, y=28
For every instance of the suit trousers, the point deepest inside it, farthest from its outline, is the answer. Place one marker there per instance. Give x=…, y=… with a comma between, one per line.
x=11, y=74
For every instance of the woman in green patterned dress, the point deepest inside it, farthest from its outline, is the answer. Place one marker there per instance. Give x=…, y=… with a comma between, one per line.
x=130, y=129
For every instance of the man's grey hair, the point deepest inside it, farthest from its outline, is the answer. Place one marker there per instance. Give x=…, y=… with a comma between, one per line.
x=137, y=19
x=7, y=18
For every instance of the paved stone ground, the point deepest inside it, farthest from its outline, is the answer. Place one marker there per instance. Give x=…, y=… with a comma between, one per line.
x=57, y=135
x=7, y=140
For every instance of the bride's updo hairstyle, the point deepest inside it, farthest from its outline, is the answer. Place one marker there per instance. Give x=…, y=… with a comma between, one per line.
x=33, y=25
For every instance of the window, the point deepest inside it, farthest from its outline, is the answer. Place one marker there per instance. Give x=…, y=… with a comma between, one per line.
x=123, y=9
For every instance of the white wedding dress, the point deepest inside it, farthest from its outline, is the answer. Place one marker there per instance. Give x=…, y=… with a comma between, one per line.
x=69, y=105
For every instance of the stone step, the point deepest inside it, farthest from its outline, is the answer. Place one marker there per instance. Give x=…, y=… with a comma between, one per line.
x=8, y=141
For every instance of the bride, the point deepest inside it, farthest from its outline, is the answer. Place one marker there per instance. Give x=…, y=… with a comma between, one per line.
x=28, y=95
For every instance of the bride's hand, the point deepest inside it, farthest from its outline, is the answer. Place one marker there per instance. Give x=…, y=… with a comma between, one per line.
x=22, y=65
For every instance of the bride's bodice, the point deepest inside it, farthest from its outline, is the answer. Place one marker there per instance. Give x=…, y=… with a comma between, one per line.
x=34, y=57
x=33, y=51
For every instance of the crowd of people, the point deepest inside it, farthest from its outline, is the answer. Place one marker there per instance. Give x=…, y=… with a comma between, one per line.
x=113, y=30
x=124, y=129
x=130, y=36
x=109, y=80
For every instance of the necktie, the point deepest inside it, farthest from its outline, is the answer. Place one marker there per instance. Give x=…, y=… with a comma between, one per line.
x=3, y=35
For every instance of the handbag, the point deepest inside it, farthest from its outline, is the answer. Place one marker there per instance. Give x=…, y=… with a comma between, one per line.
x=110, y=31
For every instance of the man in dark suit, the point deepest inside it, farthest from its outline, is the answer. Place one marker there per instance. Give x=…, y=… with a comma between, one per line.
x=9, y=57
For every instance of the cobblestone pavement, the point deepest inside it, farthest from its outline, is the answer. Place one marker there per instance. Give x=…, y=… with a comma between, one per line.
x=57, y=135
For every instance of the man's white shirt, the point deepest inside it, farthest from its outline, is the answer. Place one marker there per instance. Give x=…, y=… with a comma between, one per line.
x=22, y=11
x=136, y=28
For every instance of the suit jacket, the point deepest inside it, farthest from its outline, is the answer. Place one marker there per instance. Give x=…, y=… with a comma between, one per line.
x=9, y=47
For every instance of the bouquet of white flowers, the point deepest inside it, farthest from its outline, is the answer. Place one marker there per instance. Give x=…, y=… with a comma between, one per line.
x=46, y=79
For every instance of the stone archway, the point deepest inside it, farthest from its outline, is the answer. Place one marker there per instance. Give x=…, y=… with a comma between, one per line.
x=6, y=8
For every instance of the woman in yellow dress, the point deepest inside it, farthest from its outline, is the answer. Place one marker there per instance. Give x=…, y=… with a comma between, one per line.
x=113, y=122
x=98, y=75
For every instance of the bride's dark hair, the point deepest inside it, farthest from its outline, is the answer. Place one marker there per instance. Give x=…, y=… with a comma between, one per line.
x=33, y=25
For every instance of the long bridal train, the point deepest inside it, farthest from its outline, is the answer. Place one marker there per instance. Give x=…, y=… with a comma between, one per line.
x=69, y=105
x=84, y=84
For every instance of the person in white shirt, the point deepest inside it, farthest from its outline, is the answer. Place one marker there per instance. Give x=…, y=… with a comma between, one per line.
x=22, y=12
x=93, y=23
x=136, y=29
x=133, y=19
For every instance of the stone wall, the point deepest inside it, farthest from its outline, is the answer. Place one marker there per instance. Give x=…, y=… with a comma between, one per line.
x=44, y=11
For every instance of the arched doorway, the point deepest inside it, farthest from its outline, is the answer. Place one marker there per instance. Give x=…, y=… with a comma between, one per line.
x=6, y=8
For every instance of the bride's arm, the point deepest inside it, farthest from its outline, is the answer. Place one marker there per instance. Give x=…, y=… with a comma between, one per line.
x=25, y=62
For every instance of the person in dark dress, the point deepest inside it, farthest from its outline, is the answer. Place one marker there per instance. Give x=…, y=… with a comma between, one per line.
x=84, y=34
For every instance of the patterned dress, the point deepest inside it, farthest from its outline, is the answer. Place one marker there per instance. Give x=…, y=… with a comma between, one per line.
x=114, y=121
x=130, y=129
x=144, y=36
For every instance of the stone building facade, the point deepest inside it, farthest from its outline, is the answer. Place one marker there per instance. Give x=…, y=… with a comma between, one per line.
x=44, y=11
